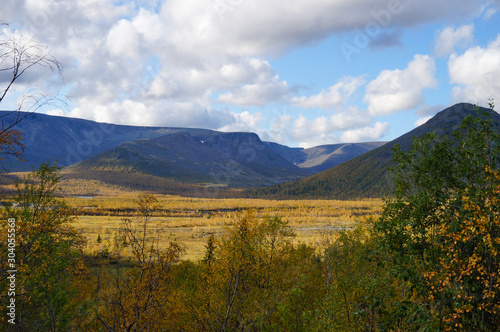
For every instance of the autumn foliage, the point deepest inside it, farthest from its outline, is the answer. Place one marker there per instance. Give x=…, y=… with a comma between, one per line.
x=46, y=254
x=442, y=229
x=10, y=144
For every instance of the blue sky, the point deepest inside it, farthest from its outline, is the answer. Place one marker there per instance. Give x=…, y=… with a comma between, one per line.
x=296, y=72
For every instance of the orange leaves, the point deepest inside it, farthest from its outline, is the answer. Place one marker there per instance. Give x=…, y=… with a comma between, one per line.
x=10, y=144
x=443, y=227
x=469, y=274
x=46, y=251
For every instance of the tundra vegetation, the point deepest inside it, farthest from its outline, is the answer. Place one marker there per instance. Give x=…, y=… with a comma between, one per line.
x=425, y=259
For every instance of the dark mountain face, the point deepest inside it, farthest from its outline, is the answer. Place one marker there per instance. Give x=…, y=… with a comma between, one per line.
x=247, y=149
x=233, y=159
x=73, y=140
x=367, y=175
x=179, y=154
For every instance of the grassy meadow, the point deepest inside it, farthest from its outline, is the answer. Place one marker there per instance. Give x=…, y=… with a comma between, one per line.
x=189, y=221
x=100, y=209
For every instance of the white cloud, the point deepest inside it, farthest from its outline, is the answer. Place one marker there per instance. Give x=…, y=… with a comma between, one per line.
x=421, y=121
x=151, y=26
x=244, y=70
x=396, y=90
x=172, y=115
x=244, y=121
x=279, y=131
x=101, y=10
x=326, y=129
x=260, y=93
x=476, y=73
x=451, y=38
x=123, y=40
x=369, y=133
x=335, y=96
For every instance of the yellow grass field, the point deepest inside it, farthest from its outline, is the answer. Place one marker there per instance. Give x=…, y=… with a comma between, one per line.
x=100, y=209
x=189, y=221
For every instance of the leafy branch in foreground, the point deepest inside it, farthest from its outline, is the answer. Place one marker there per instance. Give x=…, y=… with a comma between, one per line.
x=442, y=229
x=47, y=254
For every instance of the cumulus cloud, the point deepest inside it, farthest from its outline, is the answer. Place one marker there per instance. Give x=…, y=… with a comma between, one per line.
x=335, y=96
x=328, y=129
x=172, y=115
x=168, y=62
x=260, y=93
x=368, y=133
x=244, y=121
x=450, y=38
x=421, y=121
x=476, y=73
x=123, y=40
x=246, y=70
x=396, y=90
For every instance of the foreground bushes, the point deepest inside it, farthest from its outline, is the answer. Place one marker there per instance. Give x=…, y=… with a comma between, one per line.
x=254, y=277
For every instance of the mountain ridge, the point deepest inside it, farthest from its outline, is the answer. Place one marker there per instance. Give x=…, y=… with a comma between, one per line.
x=367, y=176
x=73, y=140
x=226, y=158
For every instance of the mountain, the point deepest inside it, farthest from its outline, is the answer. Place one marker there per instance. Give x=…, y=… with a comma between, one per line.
x=226, y=159
x=154, y=158
x=321, y=158
x=72, y=140
x=367, y=175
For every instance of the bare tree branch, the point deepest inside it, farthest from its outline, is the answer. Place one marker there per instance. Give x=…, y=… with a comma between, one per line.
x=20, y=54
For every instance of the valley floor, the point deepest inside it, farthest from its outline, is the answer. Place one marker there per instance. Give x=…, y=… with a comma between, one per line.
x=190, y=221
x=101, y=208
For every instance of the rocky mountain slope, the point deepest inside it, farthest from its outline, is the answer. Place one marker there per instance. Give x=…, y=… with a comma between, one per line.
x=321, y=158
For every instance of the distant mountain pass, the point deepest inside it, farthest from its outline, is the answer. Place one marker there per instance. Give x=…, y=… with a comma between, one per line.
x=321, y=158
